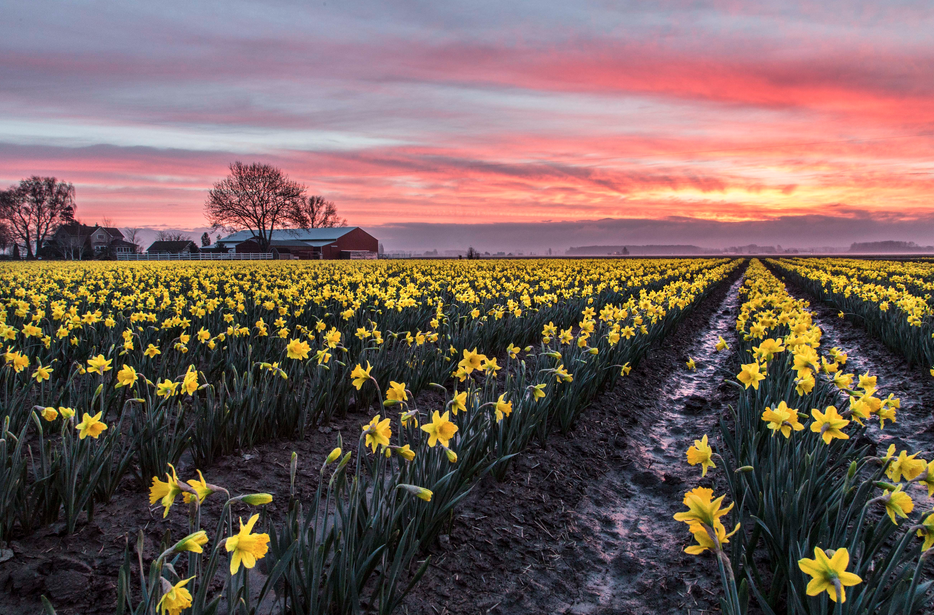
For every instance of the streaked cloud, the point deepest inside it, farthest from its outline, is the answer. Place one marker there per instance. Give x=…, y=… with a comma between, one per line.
x=464, y=113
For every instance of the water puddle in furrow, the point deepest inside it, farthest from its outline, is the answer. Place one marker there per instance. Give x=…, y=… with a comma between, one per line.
x=913, y=427
x=637, y=546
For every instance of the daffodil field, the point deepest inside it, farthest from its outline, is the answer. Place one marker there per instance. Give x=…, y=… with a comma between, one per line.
x=148, y=373
x=840, y=528
x=131, y=383
x=891, y=299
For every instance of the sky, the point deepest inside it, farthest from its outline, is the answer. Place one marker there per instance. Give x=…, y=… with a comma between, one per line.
x=437, y=123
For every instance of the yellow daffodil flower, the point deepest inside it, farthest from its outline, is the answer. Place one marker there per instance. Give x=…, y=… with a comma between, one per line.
x=99, y=365
x=175, y=598
x=90, y=426
x=360, y=375
x=828, y=574
x=440, y=429
x=782, y=419
x=700, y=453
x=377, y=432
x=502, y=408
x=828, y=424
x=751, y=375
x=246, y=547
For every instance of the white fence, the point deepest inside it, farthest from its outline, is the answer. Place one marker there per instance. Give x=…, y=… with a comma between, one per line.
x=196, y=256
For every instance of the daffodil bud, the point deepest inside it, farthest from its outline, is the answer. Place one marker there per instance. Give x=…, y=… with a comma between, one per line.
x=257, y=499
x=419, y=492
x=743, y=469
x=332, y=457
x=293, y=471
x=884, y=485
x=344, y=461
x=852, y=471
x=192, y=542
x=452, y=456
x=405, y=452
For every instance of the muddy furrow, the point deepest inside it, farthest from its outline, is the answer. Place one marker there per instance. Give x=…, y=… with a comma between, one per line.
x=914, y=427
x=629, y=511
x=585, y=526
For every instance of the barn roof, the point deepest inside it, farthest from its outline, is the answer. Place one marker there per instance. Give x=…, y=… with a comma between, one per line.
x=326, y=235
x=171, y=246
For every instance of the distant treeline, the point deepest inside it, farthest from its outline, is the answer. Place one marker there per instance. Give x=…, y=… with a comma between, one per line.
x=650, y=250
x=889, y=246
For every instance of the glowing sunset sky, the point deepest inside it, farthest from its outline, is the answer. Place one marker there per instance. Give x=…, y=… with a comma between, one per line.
x=469, y=112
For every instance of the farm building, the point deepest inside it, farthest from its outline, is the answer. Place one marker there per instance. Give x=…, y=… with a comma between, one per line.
x=173, y=247
x=348, y=242
x=76, y=240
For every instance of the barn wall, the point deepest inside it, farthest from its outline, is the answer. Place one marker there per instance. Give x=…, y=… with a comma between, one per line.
x=357, y=239
x=247, y=247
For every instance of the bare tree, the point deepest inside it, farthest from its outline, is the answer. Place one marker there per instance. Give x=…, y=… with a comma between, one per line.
x=132, y=235
x=205, y=240
x=13, y=215
x=172, y=236
x=316, y=212
x=72, y=244
x=35, y=208
x=6, y=207
x=257, y=198
x=6, y=239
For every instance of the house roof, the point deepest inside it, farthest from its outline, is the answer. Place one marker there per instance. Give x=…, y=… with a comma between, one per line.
x=327, y=235
x=170, y=246
x=76, y=229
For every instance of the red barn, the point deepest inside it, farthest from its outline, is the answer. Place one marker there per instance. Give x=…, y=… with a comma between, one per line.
x=325, y=243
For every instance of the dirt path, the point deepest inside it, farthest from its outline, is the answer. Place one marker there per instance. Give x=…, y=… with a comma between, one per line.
x=586, y=525
x=629, y=510
x=914, y=428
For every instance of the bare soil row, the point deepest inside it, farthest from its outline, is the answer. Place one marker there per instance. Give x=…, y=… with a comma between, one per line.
x=585, y=525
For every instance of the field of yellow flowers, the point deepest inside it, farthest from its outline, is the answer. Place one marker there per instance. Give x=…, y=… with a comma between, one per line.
x=116, y=373
x=134, y=396
x=809, y=492
x=892, y=300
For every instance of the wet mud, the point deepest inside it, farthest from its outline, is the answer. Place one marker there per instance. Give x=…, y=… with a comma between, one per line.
x=914, y=427
x=585, y=525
